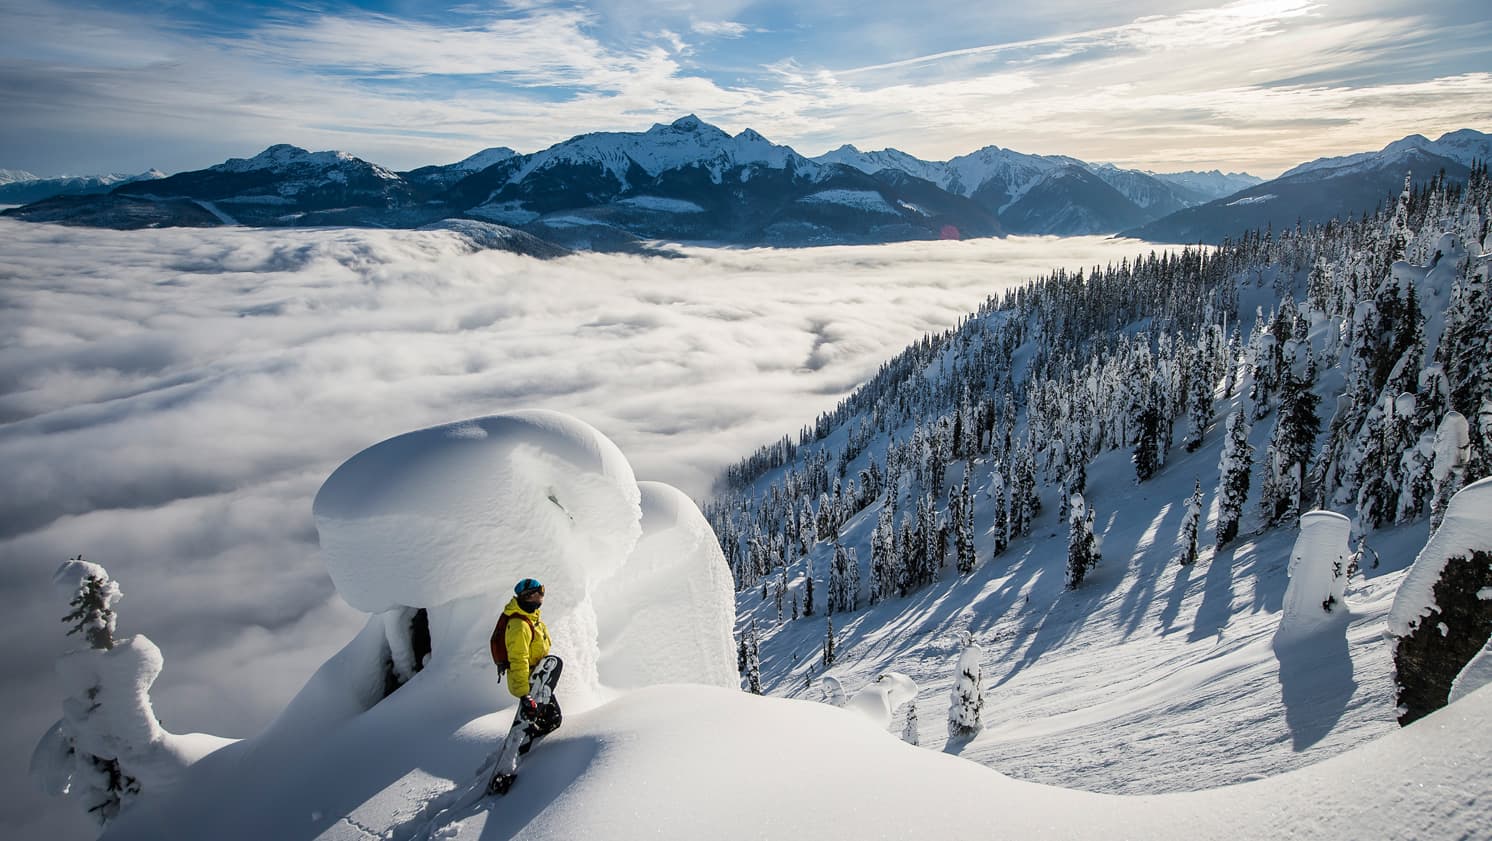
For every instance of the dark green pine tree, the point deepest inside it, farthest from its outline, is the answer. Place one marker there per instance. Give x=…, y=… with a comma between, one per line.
x=1290, y=447
x=92, y=614
x=1150, y=428
x=829, y=642
x=808, y=588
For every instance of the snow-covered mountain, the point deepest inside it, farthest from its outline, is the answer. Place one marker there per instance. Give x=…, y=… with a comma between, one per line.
x=691, y=180
x=442, y=176
x=10, y=176
x=686, y=180
x=1209, y=185
x=31, y=189
x=285, y=184
x=1039, y=194
x=1324, y=188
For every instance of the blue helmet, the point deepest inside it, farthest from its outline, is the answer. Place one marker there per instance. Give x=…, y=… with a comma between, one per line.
x=527, y=585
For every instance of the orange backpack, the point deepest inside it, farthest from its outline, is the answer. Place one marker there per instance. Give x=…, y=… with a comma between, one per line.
x=499, y=641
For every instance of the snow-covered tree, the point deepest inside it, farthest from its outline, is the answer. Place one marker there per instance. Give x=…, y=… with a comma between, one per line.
x=1082, y=544
x=962, y=513
x=1000, y=527
x=753, y=661
x=1318, y=574
x=1452, y=446
x=1149, y=452
x=828, y=657
x=1290, y=447
x=1199, y=407
x=966, y=700
x=109, y=746
x=807, y=587
x=1233, y=477
x=1190, y=523
x=909, y=730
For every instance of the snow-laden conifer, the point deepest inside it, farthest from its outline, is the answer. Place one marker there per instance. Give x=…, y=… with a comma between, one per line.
x=1190, y=523
x=1452, y=452
x=999, y=511
x=1233, y=477
x=753, y=668
x=108, y=748
x=966, y=700
x=1082, y=544
x=828, y=655
x=909, y=729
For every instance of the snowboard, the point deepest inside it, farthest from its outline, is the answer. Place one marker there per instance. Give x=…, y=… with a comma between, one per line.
x=524, y=731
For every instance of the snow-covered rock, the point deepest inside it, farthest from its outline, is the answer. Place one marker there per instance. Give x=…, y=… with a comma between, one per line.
x=1440, y=620
x=1467, y=528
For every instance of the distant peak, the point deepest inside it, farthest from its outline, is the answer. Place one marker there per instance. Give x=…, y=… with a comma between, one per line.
x=751, y=135
x=281, y=151
x=687, y=124
x=849, y=149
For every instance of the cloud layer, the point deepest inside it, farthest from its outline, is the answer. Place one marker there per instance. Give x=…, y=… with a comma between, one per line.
x=171, y=400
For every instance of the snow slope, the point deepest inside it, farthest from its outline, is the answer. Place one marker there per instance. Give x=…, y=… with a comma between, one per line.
x=687, y=762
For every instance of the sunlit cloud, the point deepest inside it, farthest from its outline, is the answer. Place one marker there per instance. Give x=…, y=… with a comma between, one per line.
x=1245, y=85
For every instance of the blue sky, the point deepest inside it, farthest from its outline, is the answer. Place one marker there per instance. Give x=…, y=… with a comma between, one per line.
x=1256, y=85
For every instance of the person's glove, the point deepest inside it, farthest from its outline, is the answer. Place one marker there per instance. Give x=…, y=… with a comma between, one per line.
x=528, y=708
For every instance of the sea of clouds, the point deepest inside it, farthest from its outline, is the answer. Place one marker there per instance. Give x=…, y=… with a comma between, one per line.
x=171, y=400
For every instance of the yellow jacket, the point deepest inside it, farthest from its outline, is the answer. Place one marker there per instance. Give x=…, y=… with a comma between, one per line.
x=527, y=641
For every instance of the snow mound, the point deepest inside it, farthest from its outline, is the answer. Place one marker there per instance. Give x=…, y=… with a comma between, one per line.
x=468, y=508
x=666, y=617
x=1467, y=526
x=879, y=700
x=1474, y=676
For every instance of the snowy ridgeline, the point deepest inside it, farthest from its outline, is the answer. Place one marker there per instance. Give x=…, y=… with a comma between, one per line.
x=427, y=532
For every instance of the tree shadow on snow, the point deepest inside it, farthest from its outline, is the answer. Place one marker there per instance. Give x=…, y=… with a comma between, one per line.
x=1315, y=680
x=1173, y=601
x=1148, y=558
x=1217, y=598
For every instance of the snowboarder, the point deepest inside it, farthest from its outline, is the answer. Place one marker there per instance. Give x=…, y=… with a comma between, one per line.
x=519, y=643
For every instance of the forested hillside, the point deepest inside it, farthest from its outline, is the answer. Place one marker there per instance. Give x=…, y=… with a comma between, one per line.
x=1344, y=367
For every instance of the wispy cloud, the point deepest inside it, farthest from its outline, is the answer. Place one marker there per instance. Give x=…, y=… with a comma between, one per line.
x=1244, y=85
x=719, y=28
